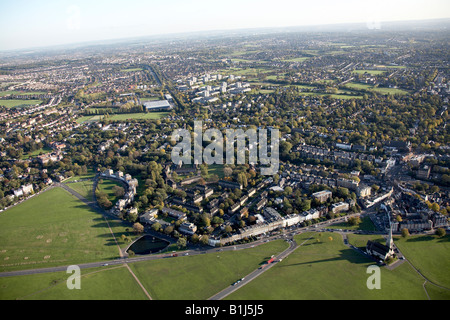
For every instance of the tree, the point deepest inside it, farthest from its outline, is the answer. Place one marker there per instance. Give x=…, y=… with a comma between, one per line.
x=156, y=226
x=435, y=207
x=204, y=240
x=181, y=243
x=440, y=232
x=288, y=191
x=405, y=233
x=168, y=230
x=138, y=228
x=353, y=221
x=118, y=191
x=227, y=171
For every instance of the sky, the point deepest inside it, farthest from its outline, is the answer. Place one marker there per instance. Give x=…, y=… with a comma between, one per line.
x=41, y=23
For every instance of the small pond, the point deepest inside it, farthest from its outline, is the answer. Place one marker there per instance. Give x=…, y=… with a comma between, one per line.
x=148, y=244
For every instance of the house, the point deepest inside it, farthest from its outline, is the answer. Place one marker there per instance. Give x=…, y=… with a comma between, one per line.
x=424, y=172
x=208, y=192
x=363, y=191
x=261, y=203
x=323, y=195
x=149, y=216
x=271, y=213
x=187, y=228
x=234, y=207
x=174, y=213
x=339, y=207
x=230, y=184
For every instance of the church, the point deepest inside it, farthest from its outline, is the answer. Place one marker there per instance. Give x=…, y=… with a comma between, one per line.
x=379, y=250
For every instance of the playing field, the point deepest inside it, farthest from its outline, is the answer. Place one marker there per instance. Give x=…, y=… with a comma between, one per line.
x=372, y=72
x=24, y=93
x=85, y=188
x=140, y=116
x=429, y=254
x=53, y=228
x=384, y=91
x=200, y=277
x=19, y=103
x=106, y=283
x=325, y=268
x=36, y=153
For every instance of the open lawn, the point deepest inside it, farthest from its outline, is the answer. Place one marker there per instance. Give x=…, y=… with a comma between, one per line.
x=200, y=277
x=215, y=169
x=19, y=103
x=372, y=72
x=131, y=70
x=24, y=93
x=324, y=268
x=89, y=175
x=84, y=119
x=53, y=228
x=126, y=116
x=140, y=116
x=384, y=91
x=300, y=59
x=366, y=224
x=85, y=187
x=429, y=254
x=36, y=153
x=106, y=283
x=334, y=96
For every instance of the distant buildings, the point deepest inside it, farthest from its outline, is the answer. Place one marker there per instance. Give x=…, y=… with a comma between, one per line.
x=230, y=184
x=160, y=105
x=24, y=190
x=424, y=172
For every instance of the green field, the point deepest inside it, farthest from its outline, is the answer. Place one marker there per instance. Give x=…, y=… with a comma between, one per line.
x=300, y=59
x=89, y=175
x=366, y=224
x=85, y=187
x=36, y=153
x=372, y=72
x=325, y=269
x=384, y=91
x=19, y=103
x=200, y=277
x=334, y=96
x=187, y=277
x=429, y=254
x=13, y=92
x=53, y=228
x=131, y=70
x=140, y=116
x=126, y=116
x=107, y=283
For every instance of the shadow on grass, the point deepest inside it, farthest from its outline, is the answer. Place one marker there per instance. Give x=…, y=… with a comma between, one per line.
x=345, y=254
x=429, y=238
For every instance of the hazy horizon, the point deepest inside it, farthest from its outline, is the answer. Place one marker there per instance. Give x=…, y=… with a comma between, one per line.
x=48, y=23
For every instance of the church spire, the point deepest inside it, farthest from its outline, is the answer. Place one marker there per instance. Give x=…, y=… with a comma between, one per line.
x=390, y=241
